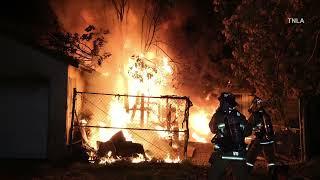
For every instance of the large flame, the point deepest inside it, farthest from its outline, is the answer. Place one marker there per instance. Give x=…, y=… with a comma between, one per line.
x=199, y=123
x=146, y=75
x=119, y=118
x=124, y=41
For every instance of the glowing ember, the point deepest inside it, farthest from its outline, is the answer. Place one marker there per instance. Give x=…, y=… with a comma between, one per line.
x=107, y=159
x=139, y=159
x=168, y=159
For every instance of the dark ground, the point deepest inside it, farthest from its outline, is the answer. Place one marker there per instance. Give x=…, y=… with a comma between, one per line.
x=126, y=171
x=116, y=171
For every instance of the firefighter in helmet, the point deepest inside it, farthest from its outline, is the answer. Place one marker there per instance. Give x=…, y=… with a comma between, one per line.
x=230, y=128
x=261, y=124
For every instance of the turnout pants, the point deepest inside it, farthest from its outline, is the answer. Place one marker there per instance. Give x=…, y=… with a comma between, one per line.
x=266, y=148
x=220, y=163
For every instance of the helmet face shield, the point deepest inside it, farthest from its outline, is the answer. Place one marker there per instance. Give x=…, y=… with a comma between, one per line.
x=224, y=96
x=227, y=100
x=256, y=104
x=225, y=105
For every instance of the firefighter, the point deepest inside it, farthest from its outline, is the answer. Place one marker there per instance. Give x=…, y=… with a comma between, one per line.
x=230, y=128
x=261, y=124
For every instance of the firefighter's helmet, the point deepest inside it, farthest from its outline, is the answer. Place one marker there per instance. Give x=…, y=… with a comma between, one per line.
x=228, y=99
x=256, y=104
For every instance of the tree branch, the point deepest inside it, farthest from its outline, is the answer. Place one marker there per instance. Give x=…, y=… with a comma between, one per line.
x=314, y=49
x=142, y=23
x=171, y=59
x=85, y=45
x=83, y=56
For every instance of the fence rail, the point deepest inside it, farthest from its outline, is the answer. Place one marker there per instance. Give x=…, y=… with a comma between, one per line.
x=158, y=123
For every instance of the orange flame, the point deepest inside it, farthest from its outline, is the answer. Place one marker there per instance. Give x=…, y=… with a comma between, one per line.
x=199, y=123
x=118, y=118
x=199, y=138
x=168, y=159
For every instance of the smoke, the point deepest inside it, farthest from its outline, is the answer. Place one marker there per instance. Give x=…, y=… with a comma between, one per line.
x=186, y=33
x=194, y=39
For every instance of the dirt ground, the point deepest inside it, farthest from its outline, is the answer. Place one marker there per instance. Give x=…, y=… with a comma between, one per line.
x=118, y=171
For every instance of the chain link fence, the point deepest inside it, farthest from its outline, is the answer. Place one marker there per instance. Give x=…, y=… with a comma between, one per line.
x=159, y=124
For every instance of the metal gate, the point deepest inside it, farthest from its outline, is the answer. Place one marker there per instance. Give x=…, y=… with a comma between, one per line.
x=158, y=123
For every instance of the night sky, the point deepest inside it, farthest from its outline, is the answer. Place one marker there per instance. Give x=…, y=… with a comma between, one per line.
x=26, y=19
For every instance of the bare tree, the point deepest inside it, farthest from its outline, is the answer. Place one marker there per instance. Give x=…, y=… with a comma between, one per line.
x=121, y=7
x=151, y=19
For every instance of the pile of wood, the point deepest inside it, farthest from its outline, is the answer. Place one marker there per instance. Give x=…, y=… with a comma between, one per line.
x=119, y=147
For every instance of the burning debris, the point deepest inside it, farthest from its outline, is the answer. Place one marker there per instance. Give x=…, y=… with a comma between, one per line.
x=119, y=147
